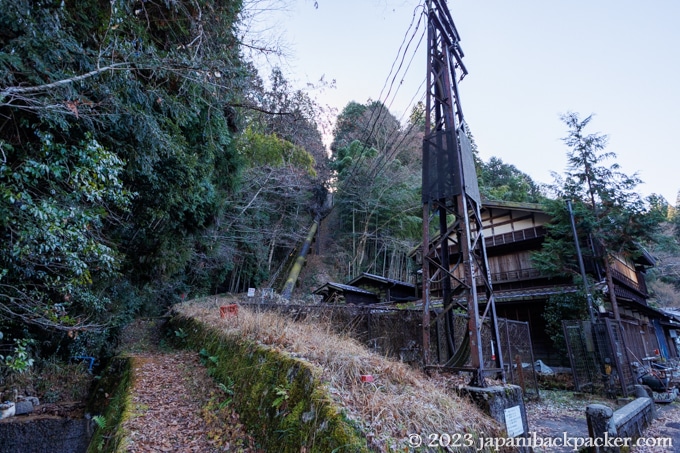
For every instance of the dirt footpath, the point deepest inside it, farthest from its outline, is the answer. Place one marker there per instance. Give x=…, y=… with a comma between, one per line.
x=176, y=405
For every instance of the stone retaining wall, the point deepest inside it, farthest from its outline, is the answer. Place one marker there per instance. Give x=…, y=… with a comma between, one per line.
x=261, y=376
x=54, y=435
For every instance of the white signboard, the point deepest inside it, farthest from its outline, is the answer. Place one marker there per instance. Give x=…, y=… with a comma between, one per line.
x=251, y=292
x=513, y=421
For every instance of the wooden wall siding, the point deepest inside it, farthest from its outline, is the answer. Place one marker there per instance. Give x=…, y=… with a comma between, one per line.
x=504, y=232
x=501, y=221
x=630, y=280
x=626, y=267
x=359, y=299
x=506, y=263
x=402, y=294
x=504, y=268
x=504, y=239
x=436, y=285
x=640, y=337
x=376, y=289
x=637, y=285
x=392, y=294
x=512, y=267
x=504, y=226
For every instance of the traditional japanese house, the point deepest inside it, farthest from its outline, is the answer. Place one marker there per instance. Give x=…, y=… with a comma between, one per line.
x=340, y=293
x=387, y=289
x=512, y=231
x=368, y=289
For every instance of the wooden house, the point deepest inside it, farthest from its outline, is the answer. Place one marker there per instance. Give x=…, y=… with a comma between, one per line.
x=387, y=289
x=512, y=231
x=368, y=289
x=340, y=293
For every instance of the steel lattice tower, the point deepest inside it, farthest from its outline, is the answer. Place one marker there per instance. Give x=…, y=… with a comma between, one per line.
x=455, y=258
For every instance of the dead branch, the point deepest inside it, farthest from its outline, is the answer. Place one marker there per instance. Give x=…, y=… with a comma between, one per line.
x=24, y=308
x=258, y=109
x=22, y=90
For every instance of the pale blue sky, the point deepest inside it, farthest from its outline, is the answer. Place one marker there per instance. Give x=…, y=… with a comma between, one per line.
x=529, y=61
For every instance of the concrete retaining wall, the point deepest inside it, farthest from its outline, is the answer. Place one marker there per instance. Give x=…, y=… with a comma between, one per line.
x=626, y=422
x=44, y=435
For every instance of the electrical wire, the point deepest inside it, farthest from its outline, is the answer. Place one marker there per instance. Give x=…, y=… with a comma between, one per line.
x=398, y=63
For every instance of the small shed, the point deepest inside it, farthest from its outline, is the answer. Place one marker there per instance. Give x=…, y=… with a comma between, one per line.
x=337, y=292
x=387, y=289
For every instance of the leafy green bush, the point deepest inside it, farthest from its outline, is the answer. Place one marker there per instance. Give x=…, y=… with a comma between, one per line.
x=20, y=359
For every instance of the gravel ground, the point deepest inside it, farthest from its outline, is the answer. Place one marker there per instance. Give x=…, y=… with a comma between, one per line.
x=560, y=412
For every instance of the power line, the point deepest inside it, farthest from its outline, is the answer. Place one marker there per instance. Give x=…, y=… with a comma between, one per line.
x=388, y=155
x=399, y=59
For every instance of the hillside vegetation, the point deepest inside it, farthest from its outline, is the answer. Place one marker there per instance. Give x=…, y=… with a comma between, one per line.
x=400, y=401
x=144, y=161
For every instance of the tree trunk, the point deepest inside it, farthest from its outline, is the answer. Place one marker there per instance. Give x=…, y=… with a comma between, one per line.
x=299, y=262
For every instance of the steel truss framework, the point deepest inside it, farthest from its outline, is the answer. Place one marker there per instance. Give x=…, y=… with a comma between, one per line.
x=455, y=259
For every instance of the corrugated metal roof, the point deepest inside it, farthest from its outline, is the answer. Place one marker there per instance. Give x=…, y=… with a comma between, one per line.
x=522, y=294
x=535, y=207
x=342, y=287
x=381, y=279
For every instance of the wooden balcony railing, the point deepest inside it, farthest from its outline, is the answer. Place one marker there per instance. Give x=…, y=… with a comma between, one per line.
x=515, y=275
x=514, y=236
x=504, y=277
x=639, y=287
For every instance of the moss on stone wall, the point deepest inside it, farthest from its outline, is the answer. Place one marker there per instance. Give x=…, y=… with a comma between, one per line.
x=116, y=382
x=279, y=398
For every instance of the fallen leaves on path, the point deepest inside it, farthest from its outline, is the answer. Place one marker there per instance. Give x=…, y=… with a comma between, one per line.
x=665, y=426
x=177, y=407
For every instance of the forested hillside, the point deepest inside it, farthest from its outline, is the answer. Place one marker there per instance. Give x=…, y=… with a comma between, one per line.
x=144, y=160
x=664, y=278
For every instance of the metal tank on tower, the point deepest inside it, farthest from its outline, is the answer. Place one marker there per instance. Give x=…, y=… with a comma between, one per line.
x=454, y=252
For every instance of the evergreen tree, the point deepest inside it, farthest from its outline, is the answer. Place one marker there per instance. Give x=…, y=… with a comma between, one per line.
x=504, y=182
x=371, y=124
x=117, y=152
x=293, y=116
x=611, y=216
x=378, y=189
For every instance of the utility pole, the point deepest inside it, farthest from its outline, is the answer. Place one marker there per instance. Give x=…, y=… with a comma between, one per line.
x=581, y=266
x=456, y=258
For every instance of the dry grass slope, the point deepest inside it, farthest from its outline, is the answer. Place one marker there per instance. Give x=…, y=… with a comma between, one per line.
x=400, y=401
